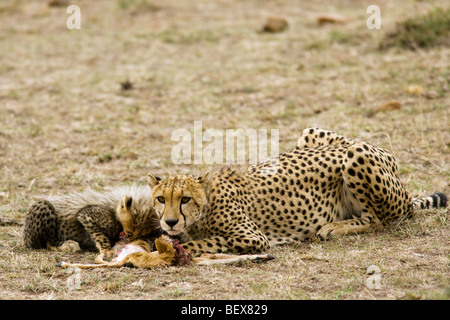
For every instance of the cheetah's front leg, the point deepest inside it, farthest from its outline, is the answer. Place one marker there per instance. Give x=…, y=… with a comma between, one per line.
x=211, y=245
x=225, y=245
x=247, y=240
x=96, y=224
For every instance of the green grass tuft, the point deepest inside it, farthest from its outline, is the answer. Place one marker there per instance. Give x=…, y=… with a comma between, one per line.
x=424, y=31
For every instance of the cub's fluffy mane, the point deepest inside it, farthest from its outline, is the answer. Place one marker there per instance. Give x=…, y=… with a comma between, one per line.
x=70, y=204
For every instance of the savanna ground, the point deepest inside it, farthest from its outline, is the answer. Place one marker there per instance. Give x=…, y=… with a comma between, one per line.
x=67, y=124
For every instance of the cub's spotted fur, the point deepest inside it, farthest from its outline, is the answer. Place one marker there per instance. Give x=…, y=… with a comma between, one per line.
x=90, y=220
x=327, y=185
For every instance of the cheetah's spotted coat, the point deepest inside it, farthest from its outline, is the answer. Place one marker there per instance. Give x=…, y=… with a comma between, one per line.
x=328, y=184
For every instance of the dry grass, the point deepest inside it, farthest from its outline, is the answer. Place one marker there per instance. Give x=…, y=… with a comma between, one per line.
x=68, y=122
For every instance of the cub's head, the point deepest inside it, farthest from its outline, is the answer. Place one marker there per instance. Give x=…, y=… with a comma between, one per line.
x=137, y=216
x=179, y=201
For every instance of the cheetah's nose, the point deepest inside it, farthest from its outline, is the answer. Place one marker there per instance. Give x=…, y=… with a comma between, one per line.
x=171, y=222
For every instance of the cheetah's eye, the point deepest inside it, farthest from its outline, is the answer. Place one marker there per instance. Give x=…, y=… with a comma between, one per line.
x=185, y=199
x=161, y=199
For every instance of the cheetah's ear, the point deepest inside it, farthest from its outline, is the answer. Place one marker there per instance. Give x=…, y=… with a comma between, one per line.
x=152, y=180
x=127, y=201
x=204, y=178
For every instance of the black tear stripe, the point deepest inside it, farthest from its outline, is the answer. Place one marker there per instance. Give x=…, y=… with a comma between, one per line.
x=181, y=211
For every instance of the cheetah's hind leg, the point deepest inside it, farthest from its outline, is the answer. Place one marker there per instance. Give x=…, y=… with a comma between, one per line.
x=367, y=221
x=41, y=229
x=41, y=226
x=366, y=171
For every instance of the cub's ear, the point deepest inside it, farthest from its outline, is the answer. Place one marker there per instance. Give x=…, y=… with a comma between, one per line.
x=123, y=212
x=204, y=178
x=127, y=201
x=152, y=180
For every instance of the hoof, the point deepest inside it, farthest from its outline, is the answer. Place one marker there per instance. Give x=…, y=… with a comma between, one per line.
x=270, y=257
x=266, y=257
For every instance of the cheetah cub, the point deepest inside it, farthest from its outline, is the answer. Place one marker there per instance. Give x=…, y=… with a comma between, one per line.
x=91, y=220
x=327, y=185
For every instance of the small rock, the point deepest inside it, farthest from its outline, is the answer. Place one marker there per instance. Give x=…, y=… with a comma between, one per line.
x=414, y=89
x=330, y=18
x=138, y=284
x=275, y=24
x=432, y=94
x=58, y=3
x=392, y=105
x=126, y=85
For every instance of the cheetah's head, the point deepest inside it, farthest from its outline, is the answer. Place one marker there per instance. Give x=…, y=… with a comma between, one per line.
x=179, y=201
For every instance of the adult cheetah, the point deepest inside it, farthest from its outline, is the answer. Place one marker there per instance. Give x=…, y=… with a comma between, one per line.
x=327, y=185
x=91, y=220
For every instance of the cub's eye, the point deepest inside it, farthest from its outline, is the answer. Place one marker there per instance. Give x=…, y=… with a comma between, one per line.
x=185, y=199
x=160, y=199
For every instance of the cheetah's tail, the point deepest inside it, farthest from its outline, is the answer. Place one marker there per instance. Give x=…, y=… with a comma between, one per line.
x=436, y=200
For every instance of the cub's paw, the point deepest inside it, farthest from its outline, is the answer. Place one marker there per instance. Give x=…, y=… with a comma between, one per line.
x=67, y=246
x=70, y=246
x=107, y=254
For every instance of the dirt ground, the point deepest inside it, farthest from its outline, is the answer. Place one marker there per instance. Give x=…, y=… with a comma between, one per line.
x=69, y=121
